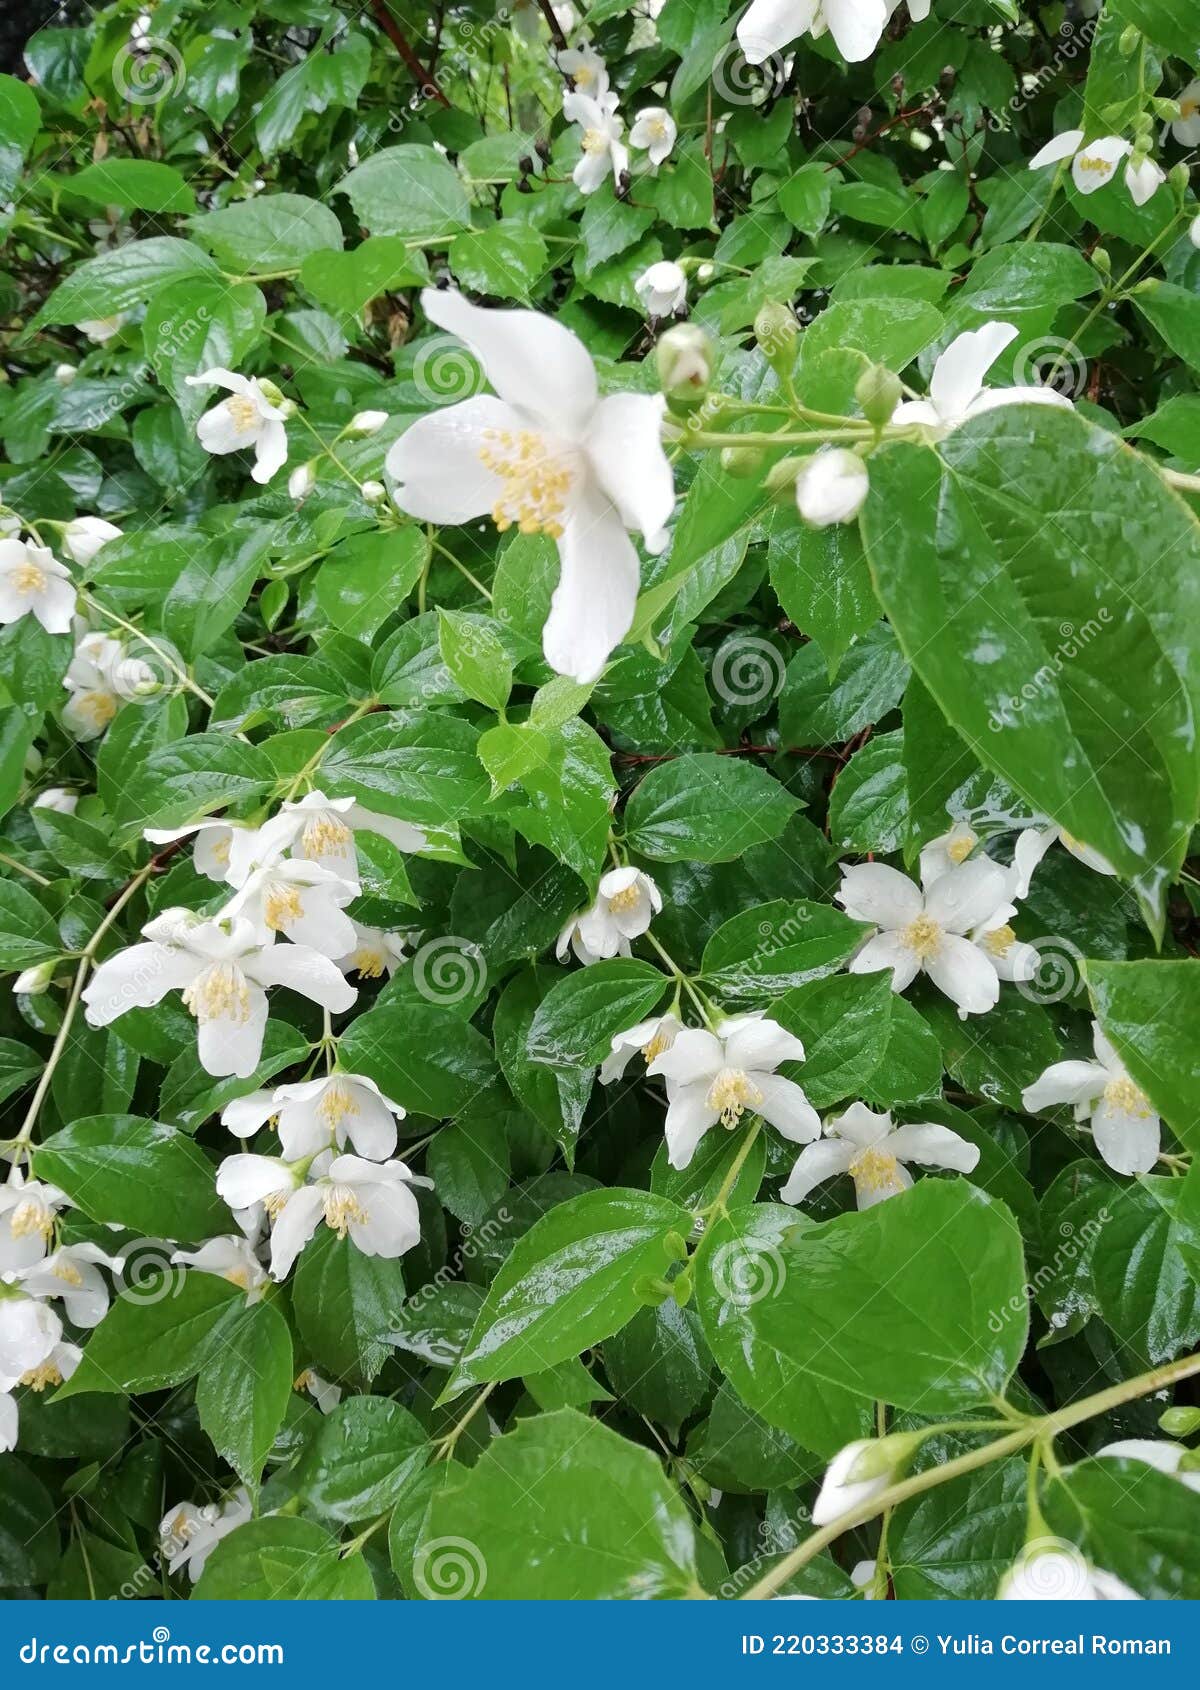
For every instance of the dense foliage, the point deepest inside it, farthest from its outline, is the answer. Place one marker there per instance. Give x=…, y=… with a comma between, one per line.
x=599, y=674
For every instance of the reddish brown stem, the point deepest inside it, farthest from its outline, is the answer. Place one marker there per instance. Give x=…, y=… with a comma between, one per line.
x=556, y=32
x=426, y=80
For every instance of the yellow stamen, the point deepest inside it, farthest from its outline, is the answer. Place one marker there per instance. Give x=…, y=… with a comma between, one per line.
x=219, y=994
x=999, y=941
x=28, y=578
x=343, y=1210
x=1122, y=1094
x=324, y=836
x=31, y=1216
x=960, y=849
x=657, y=129
x=875, y=1170
x=923, y=936
x=243, y=413
x=337, y=1101
x=660, y=1042
x=68, y=1273
x=584, y=77
x=1092, y=164
x=536, y=483
x=595, y=141
x=39, y=1377
x=220, y=850
x=282, y=906
x=304, y=1380
x=731, y=1094
x=1188, y=109
x=98, y=707
x=627, y=898
x=369, y=961
x=274, y=1201
x=238, y=1276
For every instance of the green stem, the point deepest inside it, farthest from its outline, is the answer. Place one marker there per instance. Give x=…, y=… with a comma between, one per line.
x=22, y=868
x=445, y=1447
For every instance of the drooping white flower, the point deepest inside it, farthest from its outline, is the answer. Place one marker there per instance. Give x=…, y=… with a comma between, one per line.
x=371, y=1202
x=839, y=1492
x=28, y=1213
x=1031, y=846
x=323, y=1391
x=214, y=844
x=1094, y=164
x=767, y=26
x=255, y=415
x=57, y=798
x=229, y=1257
x=1160, y=1453
x=85, y=536
x=312, y=1115
x=551, y=457
x=223, y=972
x=654, y=132
x=956, y=390
x=874, y=1151
x=925, y=932
x=1053, y=1570
x=626, y=902
x=723, y=1075
x=189, y=1534
x=1186, y=127
x=100, y=677
x=586, y=70
x=1125, y=1128
x=649, y=1038
x=374, y=952
x=302, y=480
x=321, y=830
x=601, y=128
x=29, y=1331
x=662, y=288
x=299, y=900
x=34, y=583
x=101, y=329
x=73, y=1274
x=832, y=487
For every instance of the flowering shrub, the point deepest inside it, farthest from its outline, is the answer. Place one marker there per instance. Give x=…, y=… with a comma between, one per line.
x=598, y=744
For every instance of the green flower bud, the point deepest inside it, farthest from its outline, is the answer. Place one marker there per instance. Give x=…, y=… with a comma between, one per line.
x=782, y=476
x=676, y=1247
x=775, y=330
x=1180, y=178
x=1102, y=261
x=684, y=358
x=1131, y=40
x=878, y=393
x=1180, y=1422
x=651, y=1290
x=681, y=1289
x=888, y=1456
x=741, y=461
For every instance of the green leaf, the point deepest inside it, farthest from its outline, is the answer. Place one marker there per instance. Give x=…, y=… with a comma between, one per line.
x=407, y=190
x=273, y=232
x=891, y=331
x=197, y=325
x=123, y=1170
x=365, y=1454
x=127, y=276
x=244, y=1388
x=360, y=581
x=569, y=1283
x=276, y=1559
x=138, y=184
x=577, y=1019
x=343, y=1303
x=158, y=1334
x=805, y=198
x=28, y=1530
x=474, y=654
x=592, y=1511
x=821, y=579
x=27, y=934
x=506, y=260
x=416, y=764
x=957, y=1541
x=346, y=282
x=767, y=950
x=424, y=1058
x=705, y=807
x=1132, y=1521
x=188, y=779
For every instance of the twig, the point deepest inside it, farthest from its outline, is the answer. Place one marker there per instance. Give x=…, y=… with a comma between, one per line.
x=556, y=30
x=426, y=80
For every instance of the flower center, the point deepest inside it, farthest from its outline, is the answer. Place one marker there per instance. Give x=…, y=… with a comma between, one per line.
x=1090, y=163
x=31, y=1216
x=660, y=1042
x=657, y=129
x=220, y=851
x=243, y=413
x=595, y=141
x=98, y=707
x=325, y=835
x=68, y=1273
x=536, y=482
x=923, y=937
x=281, y=907
x=585, y=76
x=337, y=1101
x=627, y=898
x=1188, y=109
x=874, y=1169
x=343, y=1210
x=1122, y=1094
x=369, y=961
x=304, y=1380
x=731, y=1094
x=274, y=1203
x=960, y=849
x=39, y=1377
x=219, y=994
x=238, y=1276
x=28, y=578
x=999, y=941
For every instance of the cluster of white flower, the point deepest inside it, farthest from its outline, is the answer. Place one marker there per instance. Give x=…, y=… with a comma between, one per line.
x=34, y=1269
x=592, y=106
x=626, y=900
x=293, y=877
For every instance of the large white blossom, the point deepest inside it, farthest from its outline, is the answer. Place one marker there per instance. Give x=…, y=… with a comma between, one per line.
x=1095, y=163
x=1125, y=1128
x=956, y=389
x=857, y=26
x=300, y=901
x=313, y=1114
x=34, y=583
x=649, y=1039
x=586, y=70
x=374, y=952
x=873, y=1151
x=321, y=830
x=231, y=1257
x=723, y=1075
x=255, y=415
x=85, y=536
x=72, y=1274
x=1054, y=1571
x=626, y=901
x=602, y=149
x=832, y=487
x=28, y=1215
x=223, y=973
x=548, y=456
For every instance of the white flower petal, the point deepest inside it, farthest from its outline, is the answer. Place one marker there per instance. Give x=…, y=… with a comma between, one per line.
x=593, y=604
x=1127, y=1139
x=624, y=446
x=960, y=370
x=785, y=1106
x=1064, y=1082
x=887, y=950
x=689, y=1116
x=933, y=1146
x=815, y=1164
x=881, y=895
x=1061, y=147
x=437, y=462
x=962, y=971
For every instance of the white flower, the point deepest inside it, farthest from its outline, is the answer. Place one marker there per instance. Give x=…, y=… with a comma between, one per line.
x=586, y=70
x=649, y=1038
x=956, y=390
x=301, y=481
x=654, y=133
x=29, y=1332
x=1194, y=231
x=58, y=799
x=373, y=491
x=1186, y=127
x=947, y=851
x=100, y=678
x=626, y=901
x=662, y=288
x=925, y=931
x=552, y=457
x=832, y=487
x=1052, y=1570
x=313, y=1114
x=229, y=1257
x=366, y=422
x=1125, y=1128
x=223, y=972
x=321, y=830
x=1008, y=955
x=9, y=1418
x=214, y=844
x=721, y=1076
x=767, y=26
x=84, y=537
x=254, y=415
x=28, y=1211
x=73, y=1273
x=300, y=900
x=862, y=1577
x=1031, y=846
x=33, y=581
x=1094, y=164
x=1161, y=1453
x=374, y=952
x=65, y=374
x=601, y=128
x=839, y=1491
x=370, y=1201
x=188, y=1535
x=873, y=1151
x=31, y=982
x=100, y=329
x=324, y=1393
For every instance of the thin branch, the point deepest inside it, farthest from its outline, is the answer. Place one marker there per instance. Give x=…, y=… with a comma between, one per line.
x=426, y=80
x=556, y=29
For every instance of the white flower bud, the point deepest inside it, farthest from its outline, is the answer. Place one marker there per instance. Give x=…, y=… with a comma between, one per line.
x=373, y=492
x=1194, y=232
x=56, y=798
x=662, y=289
x=366, y=422
x=302, y=481
x=34, y=980
x=64, y=374
x=839, y=1492
x=832, y=487
x=83, y=538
